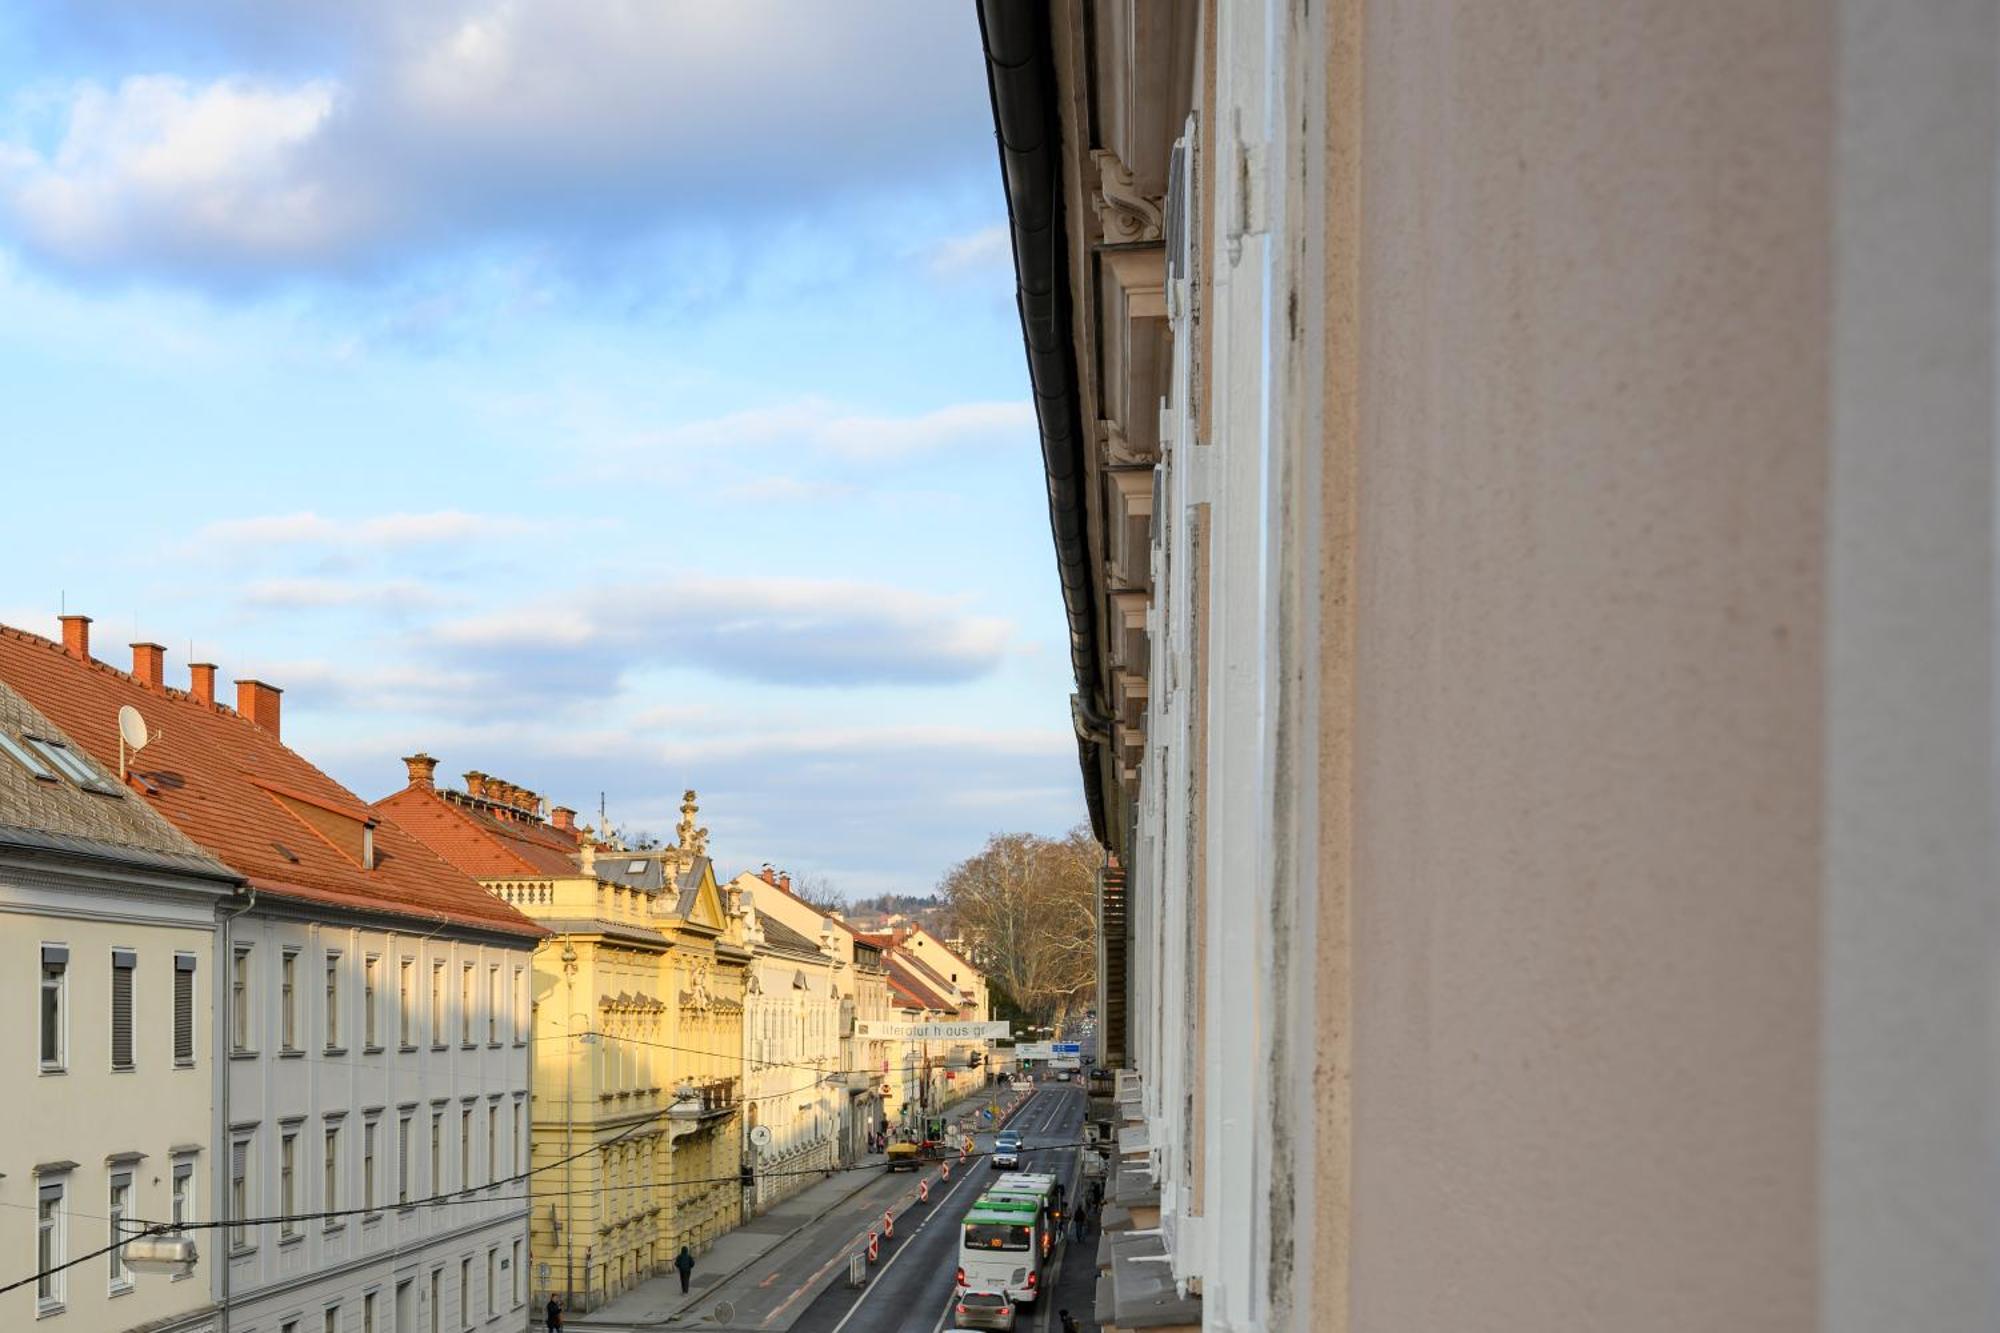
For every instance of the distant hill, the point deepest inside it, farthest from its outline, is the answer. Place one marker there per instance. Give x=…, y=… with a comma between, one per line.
x=893, y=909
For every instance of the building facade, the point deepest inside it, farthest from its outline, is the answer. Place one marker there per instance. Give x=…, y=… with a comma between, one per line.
x=112, y=914
x=1523, y=481
x=372, y=1004
x=794, y=1090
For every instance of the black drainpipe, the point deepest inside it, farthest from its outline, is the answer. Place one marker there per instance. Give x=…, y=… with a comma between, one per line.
x=1020, y=77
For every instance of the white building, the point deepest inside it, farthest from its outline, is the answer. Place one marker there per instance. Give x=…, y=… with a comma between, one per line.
x=107, y=919
x=371, y=1129
x=794, y=1091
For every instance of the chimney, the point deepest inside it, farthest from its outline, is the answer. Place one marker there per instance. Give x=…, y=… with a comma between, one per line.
x=149, y=664
x=76, y=636
x=201, y=682
x=423, y=770
x=259, y=702
x=768, y=875
x=563, y=818
x=475, y=784
x=785, y=881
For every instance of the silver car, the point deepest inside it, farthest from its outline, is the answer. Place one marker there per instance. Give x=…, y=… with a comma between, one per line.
x=984, y=1309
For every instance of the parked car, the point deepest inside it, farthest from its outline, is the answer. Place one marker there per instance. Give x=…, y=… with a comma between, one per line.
x=1007, y=1151
x=984, y=1309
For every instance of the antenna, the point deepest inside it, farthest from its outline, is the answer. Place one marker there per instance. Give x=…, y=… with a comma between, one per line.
x=132, y=735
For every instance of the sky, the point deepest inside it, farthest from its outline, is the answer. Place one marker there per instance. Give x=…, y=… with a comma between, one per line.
x=615, y=397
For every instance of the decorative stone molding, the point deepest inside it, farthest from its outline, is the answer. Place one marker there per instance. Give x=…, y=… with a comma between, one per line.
x=1124, y=215
x=1119, y=451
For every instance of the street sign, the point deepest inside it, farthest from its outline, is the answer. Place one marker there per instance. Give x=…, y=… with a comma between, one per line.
x=1067, y=1047
x=1034, y=1050
x=878, y=1030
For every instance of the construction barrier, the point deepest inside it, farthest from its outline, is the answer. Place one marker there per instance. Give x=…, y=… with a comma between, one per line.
x=923, y=1191
x=874, y=1247
x=945, y=1171
x=888, y=1224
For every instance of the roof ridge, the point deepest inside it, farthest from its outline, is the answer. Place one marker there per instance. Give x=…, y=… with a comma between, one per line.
x=163, y=689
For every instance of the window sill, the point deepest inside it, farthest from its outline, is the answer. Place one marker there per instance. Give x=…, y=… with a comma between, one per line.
x=118, y=1289
x=440, y=1045
x=371, y=1049
x=289, y=1054
x=51, y=1071
x=242, y=1251
x=334, y=1228
x=184, y=1064
x=334, y=1050
x=124, y=1069
x=296, y=1238
x=369, y=1219
x=49, y=1309
x=492, y=1045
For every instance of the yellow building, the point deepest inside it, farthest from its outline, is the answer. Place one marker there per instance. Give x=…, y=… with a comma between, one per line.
x=637, y=1029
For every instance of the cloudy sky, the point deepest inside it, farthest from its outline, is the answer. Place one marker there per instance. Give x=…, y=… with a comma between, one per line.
x=610, y=396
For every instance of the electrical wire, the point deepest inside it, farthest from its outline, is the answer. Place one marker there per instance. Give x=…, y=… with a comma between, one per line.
x=454, y=1199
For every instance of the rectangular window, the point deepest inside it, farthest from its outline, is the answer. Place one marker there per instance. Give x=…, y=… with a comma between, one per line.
x=368, y=1166
x=330, y=1197
x=71, y=765
x=465, y=1005
x=239, y=1191
x=51, y=1248
x=183, y=1206
x=288, y=1193
x=120, y=1207
x=520, y=1157
x=368, y=1313
x=403, y=1158
x=437, y=1004
x=239, y=1001
x=370, y=970
x=406, y=1000
x=519, y=1277
x=437, y=1300
x=14, y=750
x=123, y=963
x=492, y=1282
x=465, y=1292
x=492, y=1144
x=465, y=1149
x=288, y=1000
x=332, y=1001
x=519, y=1007
x=493, y=1005
x=55, y=1026
x=332, y=1319
x=437, y=1153
x=183, y=1009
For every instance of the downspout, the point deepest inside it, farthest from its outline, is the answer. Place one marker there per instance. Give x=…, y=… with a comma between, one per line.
x=223, y=1056
x=1020, y=79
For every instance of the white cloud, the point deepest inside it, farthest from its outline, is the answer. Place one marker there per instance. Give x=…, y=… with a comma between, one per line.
x=379, y=531
x=295, y=594
x=988, y=248
x=471, y=120
x=840, y=434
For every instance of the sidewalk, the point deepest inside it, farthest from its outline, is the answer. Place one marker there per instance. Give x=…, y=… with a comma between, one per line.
x=659, y=1301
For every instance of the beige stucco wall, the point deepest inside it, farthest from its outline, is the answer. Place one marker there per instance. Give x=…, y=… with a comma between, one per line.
x=1592, y=404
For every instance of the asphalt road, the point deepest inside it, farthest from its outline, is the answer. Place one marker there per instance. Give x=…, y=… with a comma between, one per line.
x=910, y=1290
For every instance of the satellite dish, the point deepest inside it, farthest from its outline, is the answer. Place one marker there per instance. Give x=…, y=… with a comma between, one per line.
x=132, y=728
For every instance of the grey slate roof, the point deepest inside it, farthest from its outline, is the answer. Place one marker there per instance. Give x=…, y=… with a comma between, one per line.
x=617, y=868
x=58, y=817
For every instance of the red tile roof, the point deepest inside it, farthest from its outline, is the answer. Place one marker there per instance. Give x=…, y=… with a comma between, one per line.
x=247, y=799
x=907, y=978
x=483, y=845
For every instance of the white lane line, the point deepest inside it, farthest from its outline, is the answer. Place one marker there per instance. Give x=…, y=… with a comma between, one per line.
x=874, y=1282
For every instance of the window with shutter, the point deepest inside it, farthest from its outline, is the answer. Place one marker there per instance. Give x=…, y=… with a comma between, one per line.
x=183, y=1009
x=123, y=963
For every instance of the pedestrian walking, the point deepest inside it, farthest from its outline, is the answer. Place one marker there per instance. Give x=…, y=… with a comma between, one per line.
x=1080, y=1223
x=554, y=1314
x=684, y=1261
x=1068, y=1321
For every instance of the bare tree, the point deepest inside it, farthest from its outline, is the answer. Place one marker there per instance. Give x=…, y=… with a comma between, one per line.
x=819, y=893
x=1027, y=908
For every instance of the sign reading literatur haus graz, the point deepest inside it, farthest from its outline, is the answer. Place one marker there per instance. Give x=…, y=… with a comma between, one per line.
x=880, y=1031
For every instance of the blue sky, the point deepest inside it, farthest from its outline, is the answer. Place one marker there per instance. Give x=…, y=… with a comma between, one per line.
x=610, y=396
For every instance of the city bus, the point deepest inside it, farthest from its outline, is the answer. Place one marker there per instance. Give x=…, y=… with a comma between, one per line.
x=1031, y=1206
x=999, y=1249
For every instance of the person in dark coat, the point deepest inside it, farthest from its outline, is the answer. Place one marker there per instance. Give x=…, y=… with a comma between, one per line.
x=684, y=1261
x=554, y=1314
x=1068, y=1321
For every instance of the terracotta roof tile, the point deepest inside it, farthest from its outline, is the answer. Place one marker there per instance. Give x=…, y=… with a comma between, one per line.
x=482, y=845
x=245, y=798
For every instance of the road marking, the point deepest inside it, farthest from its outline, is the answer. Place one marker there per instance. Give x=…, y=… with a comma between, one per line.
x=855, y=1308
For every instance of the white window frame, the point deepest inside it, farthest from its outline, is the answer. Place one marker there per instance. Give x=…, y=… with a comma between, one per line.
x=288, y=1182
x=403, y=1126
x=437, y=1004
x=51, y=1244
x=59, y=987
x=288, y=1000
x=330, y=1173
x=118, y=1206
x=242, y=982
x=332, y=961
x=243, y=1148
x=131, y=970
x=371, y=985
x=493, y=1004
x=465, y=999
x=406, y=1004
x=185, y=965
x=369, y=1137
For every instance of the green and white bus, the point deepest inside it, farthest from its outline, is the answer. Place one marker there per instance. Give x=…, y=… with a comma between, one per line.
x=1000, y=1249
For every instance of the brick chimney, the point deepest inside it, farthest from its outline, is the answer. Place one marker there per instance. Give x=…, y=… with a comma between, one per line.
x=423, y=770
x=768, y=875
x=785, y=881
x=259, y=702
x=76, y=636
x=201, y=682
x=563, y=818
x=149, y=664
x=475, y=784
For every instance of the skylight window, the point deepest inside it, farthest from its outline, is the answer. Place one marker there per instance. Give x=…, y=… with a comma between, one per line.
x=19, y=754
x=71, y=765
x=636, y=868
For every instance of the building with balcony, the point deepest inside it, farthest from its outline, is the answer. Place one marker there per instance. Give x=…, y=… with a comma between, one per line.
x=1523, y=488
